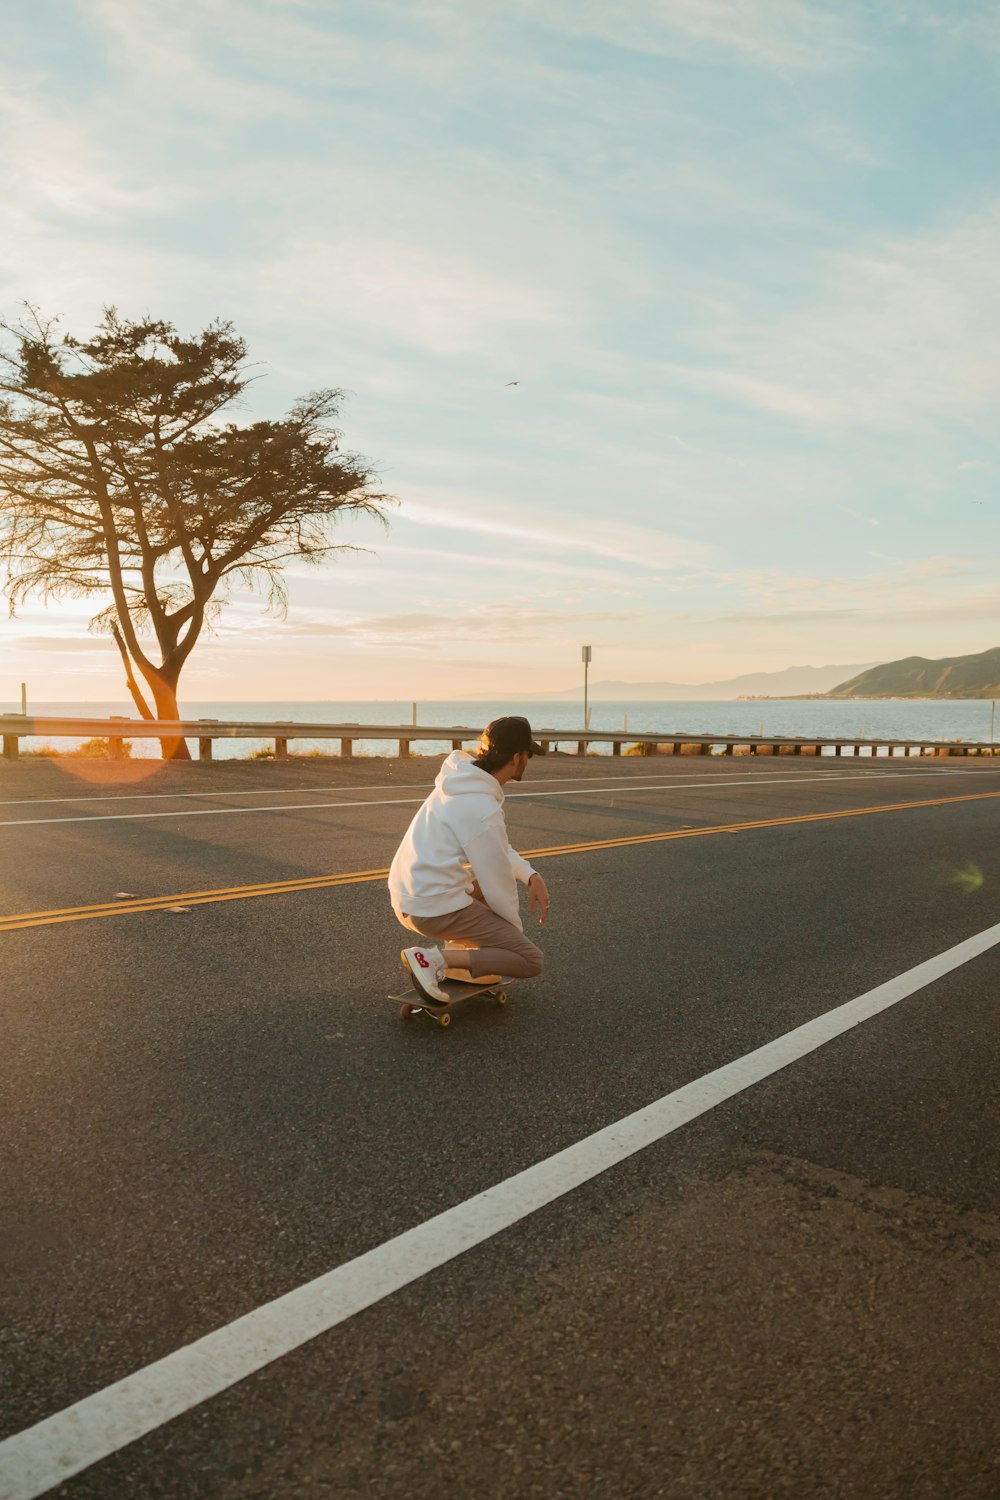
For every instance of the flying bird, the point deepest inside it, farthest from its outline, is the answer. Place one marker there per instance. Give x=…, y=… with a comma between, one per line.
x=512, y=382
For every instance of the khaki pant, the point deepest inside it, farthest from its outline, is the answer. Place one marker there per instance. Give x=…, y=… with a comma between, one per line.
x=475, y=938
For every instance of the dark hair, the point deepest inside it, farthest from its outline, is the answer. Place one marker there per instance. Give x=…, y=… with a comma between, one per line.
x=490, y=758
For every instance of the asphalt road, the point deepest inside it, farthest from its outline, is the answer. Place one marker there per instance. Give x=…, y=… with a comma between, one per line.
x=793, y=1294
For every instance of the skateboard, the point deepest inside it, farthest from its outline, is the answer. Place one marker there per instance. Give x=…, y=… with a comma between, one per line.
x=412, y=1003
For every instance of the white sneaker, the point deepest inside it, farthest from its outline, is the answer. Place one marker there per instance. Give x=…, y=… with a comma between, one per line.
x=426, y=968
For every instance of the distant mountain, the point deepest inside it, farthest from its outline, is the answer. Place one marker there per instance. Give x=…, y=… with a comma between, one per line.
x=975, y=676
x=791, y=682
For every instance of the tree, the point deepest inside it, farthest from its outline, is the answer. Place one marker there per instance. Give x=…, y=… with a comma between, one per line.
x=119, y=476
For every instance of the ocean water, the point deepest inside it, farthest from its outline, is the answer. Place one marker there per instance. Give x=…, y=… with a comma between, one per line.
x=928, y=719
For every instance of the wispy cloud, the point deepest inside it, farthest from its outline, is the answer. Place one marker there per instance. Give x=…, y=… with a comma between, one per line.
x=60, y=643
x=982, y=609
x=900, y=335
x=183, y=56
x=776, y=34
x=641, y=546
x=412, y=630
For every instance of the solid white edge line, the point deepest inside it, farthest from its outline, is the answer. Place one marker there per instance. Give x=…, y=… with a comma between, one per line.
x=280, y=791
x=395, y=786
x=60, y=1446
x=678, y=784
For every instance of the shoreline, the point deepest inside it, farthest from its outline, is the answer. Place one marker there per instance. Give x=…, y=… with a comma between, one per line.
x=868, y=698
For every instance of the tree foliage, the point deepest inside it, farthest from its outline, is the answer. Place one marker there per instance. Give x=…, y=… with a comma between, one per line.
x=121, y=479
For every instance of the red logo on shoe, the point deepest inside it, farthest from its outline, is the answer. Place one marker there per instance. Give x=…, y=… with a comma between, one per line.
x=421, y=960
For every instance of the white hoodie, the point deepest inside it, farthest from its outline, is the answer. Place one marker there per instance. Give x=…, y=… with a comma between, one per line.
x=460, y=826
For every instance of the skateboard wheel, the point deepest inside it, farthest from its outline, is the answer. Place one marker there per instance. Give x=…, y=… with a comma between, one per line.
x=406, y=1011
x=501, y=997
x=444, y=1020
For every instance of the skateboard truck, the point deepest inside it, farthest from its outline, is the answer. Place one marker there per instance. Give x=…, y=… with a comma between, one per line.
x=412, y=1003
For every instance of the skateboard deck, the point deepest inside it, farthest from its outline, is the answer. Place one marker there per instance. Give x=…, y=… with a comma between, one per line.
x=411, y=1002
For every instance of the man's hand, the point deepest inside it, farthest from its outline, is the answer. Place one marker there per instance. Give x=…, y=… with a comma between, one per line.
x=538, y=892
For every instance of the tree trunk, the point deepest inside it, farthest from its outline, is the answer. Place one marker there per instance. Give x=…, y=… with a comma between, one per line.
x=165, y=700
x=133, y=686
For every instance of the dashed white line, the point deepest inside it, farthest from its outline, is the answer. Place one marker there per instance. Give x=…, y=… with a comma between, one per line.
x=58, y=1447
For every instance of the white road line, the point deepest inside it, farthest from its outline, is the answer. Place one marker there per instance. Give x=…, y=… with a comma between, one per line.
x=679, y=784
x=296, y=791
x=280, y=791
x=384, y=786
x=58, y=1447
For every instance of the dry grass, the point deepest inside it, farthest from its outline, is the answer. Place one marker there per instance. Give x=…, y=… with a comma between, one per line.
x=95, y=749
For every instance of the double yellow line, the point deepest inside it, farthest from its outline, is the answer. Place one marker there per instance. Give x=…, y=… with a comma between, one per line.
x=132, y=907
x=21, y=920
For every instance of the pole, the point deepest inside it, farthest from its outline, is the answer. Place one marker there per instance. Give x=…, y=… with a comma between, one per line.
x=586, y=668
x=24, y=698
x=414, y=708
x=993, y=716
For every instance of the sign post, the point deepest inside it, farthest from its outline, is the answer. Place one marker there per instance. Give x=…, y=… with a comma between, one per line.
x=586, y=669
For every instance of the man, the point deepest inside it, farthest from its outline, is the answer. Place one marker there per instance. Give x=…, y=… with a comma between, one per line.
x=454, y=877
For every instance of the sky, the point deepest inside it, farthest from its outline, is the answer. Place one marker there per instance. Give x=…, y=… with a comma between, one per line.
x=742, y=258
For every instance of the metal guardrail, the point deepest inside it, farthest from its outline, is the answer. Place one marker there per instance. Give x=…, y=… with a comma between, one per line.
x=15, y=727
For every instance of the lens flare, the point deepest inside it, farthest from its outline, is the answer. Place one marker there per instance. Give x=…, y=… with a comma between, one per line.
x=109, y=773
x=968, y=879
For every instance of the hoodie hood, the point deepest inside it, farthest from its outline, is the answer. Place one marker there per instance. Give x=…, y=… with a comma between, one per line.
x=459, y=776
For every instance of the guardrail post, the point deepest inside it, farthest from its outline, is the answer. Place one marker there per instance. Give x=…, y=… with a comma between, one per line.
x=347, y=749
x=616, y=748
x=10, y=747
x=729, y=748
x=280, y=749
x=581, y=747
x=205, y=744
x=545, y=746
x=404, y=749
x=116, y=747
x=456, y=744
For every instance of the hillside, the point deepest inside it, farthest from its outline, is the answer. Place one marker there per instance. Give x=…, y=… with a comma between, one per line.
x=975, y=676
x=789, y=682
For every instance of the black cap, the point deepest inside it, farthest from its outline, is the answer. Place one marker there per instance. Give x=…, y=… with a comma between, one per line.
x=508, y=737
